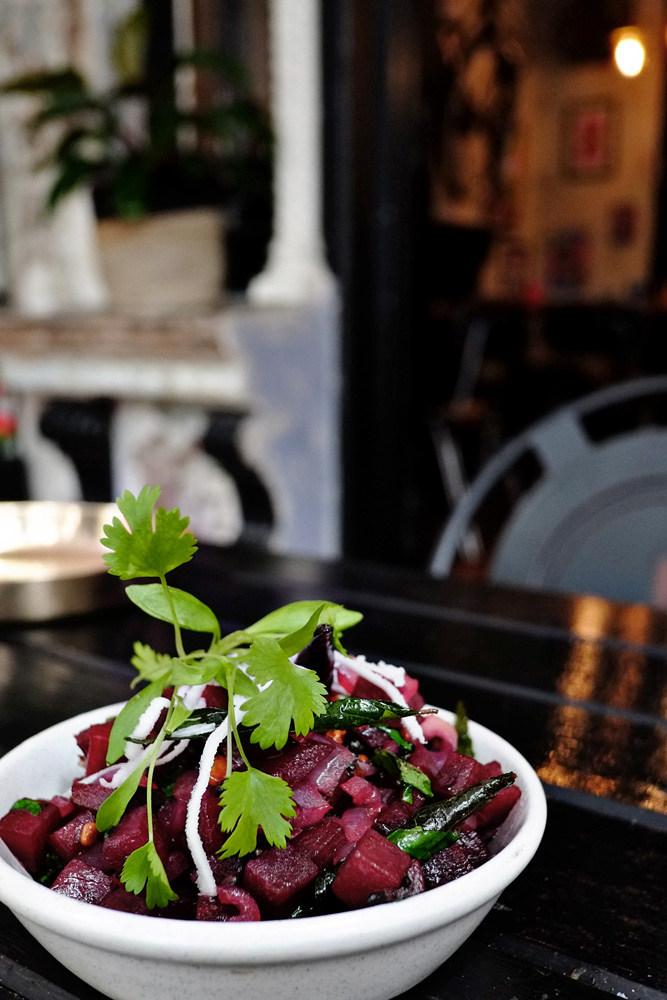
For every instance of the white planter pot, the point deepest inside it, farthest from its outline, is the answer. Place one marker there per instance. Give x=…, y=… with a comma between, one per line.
x=167, y=263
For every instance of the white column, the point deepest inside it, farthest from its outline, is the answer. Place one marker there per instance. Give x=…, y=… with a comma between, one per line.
x=50, y=260
x=296, y=269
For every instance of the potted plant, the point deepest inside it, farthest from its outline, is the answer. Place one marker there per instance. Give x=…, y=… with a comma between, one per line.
x=154, y=166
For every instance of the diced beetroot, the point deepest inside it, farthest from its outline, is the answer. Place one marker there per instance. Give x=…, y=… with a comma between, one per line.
x=414, y=881
x=231, y=904
x=26, y=834
x=211, y=835
x=226, y=871
x=126, y=902
x=346, y=678
x=210, y=908
x=356, y=822
x=183, y=786
x=64, y=805
x=79, y=881
x=364, y=767
x=375, y=739
x=173, y=813
x=468, y=853
x=176, y=864
x=98, y=742
x=82, y=740
x=94, y=856
x=295, y=763
x=497, y=809
x=491, y=770
x=410, y=691
x=430, y=762
x=412, y=885
x=363, y=793
x=320, y=842
x=278, y=877
x=327, y=774
x=311, y=806
x=132, y=833
x=457, y=772
x=366, y=689
x=375, y=865
x=397, y=813
x=215, y=696
x=89, y=795
x=66, y=840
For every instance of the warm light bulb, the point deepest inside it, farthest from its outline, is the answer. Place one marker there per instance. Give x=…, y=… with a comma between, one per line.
x=629, y=52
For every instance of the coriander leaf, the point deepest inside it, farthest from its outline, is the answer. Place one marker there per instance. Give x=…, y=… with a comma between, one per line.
x=252, y=800
x=190, y=612
x=294, y=616
x=112, y=809
x=228, y=643
x=422, y=844
x=151, y=666
x=294, y=695
x=199, y=672
x=142, y=868
x=243, y=684
x=294, y=642
x=178, y=716
x=147, y=550
x=128, y=717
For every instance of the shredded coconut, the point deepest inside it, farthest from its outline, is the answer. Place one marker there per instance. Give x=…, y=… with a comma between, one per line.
x=148, y=719
x=193, y=695
x=205, y=879
x=378, y=674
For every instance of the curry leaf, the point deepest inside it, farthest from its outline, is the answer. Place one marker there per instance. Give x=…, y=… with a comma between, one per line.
x=402, y=770
x=420, y=843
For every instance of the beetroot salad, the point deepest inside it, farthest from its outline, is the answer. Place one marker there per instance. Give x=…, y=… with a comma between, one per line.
x=268, y=774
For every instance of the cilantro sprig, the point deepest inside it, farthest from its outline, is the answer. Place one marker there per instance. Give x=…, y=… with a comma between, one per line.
x=255, y=663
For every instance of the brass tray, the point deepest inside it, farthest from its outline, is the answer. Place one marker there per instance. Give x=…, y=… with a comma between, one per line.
x=51, y=559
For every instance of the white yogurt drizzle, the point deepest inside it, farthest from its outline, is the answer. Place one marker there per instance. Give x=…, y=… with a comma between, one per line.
x=384, y=676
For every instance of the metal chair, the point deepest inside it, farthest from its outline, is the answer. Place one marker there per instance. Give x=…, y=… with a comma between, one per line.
x=594, y=518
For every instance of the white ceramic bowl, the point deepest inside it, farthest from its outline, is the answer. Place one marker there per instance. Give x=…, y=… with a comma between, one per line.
x=372, y=953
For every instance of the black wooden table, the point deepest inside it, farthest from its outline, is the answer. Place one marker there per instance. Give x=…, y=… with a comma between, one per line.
x=578, y=684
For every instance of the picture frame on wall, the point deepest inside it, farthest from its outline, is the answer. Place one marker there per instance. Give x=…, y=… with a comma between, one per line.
x=589, y=139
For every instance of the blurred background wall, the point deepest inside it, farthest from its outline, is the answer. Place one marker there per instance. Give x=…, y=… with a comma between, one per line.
x=473, y=194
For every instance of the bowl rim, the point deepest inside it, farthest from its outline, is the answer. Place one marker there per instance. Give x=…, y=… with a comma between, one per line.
x=283, y=940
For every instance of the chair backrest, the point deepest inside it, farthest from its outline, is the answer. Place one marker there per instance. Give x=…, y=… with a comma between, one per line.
x=595, y=518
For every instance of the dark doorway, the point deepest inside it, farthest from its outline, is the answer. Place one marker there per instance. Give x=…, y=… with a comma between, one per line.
x=375, y=218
